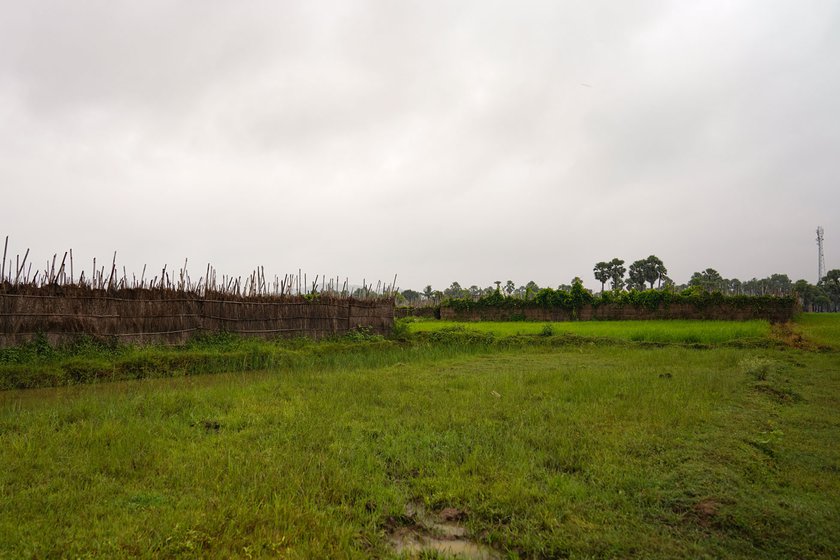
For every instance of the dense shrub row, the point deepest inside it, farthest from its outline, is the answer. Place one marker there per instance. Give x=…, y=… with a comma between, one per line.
x=578, y=296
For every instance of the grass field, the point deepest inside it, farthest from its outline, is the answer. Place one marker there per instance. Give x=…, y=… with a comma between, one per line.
x=556, y=448
x=822, y=328
x=688, y=332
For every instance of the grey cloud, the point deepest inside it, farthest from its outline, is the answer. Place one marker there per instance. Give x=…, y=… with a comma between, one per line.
x=443, y=141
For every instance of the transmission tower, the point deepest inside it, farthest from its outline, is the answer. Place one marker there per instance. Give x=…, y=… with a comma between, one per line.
x=821, y=264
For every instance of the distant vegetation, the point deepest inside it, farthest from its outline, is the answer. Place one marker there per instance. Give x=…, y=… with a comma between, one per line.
x=643, y=275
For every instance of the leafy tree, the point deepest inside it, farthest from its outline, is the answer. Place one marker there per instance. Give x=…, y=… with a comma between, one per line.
x=602, y=273
x=655, y=270
x=708, y=280
x=755, y=287
x=510, y=287
x=779, y=284
x=475, y=291
x=776, y=284
x=579, y=294
x=455, y=291
x=428, y=292
x=812, y=298
x=647, y=271
x=531, y=289
x=830, y=283
x=411, y=296
x=637, y=275
x=617, y=271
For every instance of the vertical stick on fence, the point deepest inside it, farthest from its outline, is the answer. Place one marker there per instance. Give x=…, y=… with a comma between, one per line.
x=112, y=276
x=3, y=268
x=182, y=277
x=21, y=267
x=61, y=268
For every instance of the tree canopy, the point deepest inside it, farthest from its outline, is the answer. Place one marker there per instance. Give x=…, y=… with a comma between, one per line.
x=647, y=271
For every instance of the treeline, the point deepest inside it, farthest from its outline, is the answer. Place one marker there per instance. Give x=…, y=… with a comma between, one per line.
x=641, y=281
x=577, y=297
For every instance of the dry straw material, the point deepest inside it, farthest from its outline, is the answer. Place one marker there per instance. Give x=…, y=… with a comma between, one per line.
x=173, y=316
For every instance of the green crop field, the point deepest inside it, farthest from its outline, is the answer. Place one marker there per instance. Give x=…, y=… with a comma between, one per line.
x=699, y=332
x=596, y=440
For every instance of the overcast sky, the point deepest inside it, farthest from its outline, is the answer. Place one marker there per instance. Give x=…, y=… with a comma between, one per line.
x=467, y=141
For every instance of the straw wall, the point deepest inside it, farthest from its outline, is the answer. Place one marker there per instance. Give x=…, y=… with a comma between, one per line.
x=170, y=316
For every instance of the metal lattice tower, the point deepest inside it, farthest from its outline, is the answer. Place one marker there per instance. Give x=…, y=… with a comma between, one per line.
x=821, y=264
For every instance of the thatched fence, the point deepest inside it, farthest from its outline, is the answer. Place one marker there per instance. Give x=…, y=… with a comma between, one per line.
x=171, y=316
x=62, y=302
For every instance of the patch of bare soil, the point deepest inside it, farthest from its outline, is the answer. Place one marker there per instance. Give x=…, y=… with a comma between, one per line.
x=418, y=531
x=705, y=511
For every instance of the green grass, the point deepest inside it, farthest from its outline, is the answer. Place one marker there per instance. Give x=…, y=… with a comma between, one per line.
x=39, y=365
x=822, y=328
x=88, y=361
x=686, y=332
x=579, y=450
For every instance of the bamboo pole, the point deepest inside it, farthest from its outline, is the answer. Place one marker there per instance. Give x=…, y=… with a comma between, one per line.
x=112, y=275
x=61, y=268
x=3, y=268
x=21, y=267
